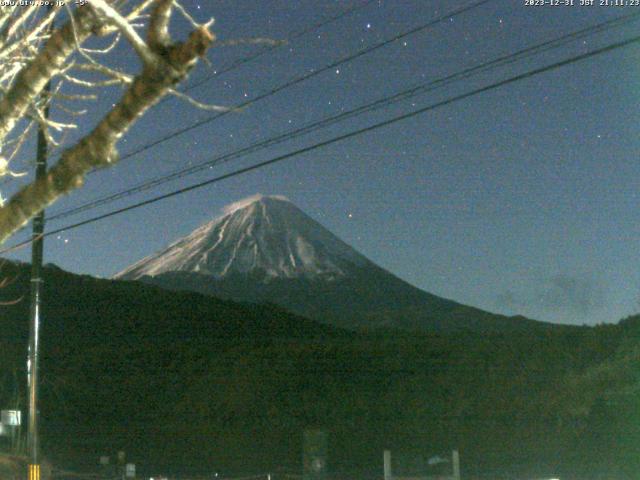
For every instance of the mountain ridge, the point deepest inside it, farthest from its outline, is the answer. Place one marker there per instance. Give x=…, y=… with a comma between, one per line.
x=264, y=249
x=187, y=385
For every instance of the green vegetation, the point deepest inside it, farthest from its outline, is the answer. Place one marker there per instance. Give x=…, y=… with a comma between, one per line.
x=187, y=383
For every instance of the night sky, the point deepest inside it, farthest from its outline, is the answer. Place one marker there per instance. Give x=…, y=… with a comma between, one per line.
x=522, y=200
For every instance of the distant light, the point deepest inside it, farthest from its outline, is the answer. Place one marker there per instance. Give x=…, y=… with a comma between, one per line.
x=11, y=418
x=436, y=460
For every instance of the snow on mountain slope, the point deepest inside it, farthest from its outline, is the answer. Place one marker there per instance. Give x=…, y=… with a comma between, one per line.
x=267, y=235
x=265, y=249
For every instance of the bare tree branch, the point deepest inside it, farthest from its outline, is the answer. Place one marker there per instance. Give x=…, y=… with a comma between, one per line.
x=32, y=79
x=164, y=65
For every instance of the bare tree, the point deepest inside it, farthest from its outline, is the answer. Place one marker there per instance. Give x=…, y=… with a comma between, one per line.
x=33, y=54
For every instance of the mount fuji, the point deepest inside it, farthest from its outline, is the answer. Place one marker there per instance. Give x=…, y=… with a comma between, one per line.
x=265, y=236
x=264, y=249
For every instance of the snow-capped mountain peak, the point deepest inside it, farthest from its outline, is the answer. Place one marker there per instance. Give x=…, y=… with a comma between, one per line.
x=264, y=235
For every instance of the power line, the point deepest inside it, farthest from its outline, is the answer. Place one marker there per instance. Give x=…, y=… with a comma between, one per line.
x=239, y=62
x=271, y=48
x=298, y=80
x=398, y=118
x=302, y=78
x=327, y=121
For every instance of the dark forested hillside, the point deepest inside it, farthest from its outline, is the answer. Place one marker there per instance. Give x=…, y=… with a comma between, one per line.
x=189, y=384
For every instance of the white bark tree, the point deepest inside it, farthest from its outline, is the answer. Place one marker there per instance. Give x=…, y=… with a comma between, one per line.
x=33, y=54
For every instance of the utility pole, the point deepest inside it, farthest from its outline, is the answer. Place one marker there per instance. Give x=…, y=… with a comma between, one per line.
x=37, y=245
